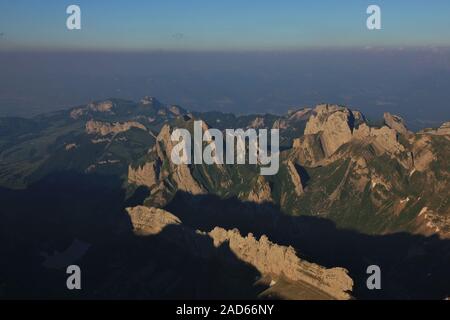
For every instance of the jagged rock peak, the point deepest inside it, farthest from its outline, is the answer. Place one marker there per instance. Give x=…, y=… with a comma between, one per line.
x=261, y=191
x=396, y=123
x=270, y=258
x=383, y=139
x=150, y=221
x=267, y=257
x=443, y=130
x=299, y=114
x=329, y=108
x=295, y=177
x=145, y=175
x=181, y=174
x=335, y=125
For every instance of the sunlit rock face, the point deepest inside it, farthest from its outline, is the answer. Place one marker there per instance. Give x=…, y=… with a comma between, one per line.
x=267, y=257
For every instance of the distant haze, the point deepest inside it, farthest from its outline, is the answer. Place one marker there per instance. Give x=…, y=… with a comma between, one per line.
x=414, y=83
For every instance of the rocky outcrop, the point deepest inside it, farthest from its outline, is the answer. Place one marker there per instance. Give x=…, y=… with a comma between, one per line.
x=146, y=175
x=396, y=123
x=334, y=124
x=307, y=150
x=180, y=174
x=101, y=106
x=106, y=128
x=299, y=115
x=150, y=221
x=267, y=257
x=294, y=119
x=443, y=130
x=261, y=191
x=384, y=139
x=295, y=178
x=361, y=174
x=272, y=259
x=431, y=223
x=423, y=154
x=162, y=168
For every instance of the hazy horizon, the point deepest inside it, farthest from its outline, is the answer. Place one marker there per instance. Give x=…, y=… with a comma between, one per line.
x=408, y=82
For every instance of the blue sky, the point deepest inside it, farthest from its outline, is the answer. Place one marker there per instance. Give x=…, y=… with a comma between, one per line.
x=220, y=25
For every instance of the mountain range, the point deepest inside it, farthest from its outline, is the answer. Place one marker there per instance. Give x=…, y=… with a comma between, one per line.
x=94, y=185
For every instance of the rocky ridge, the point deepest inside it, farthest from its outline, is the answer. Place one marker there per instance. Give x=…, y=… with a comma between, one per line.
x=106, y=128
x=268, y=258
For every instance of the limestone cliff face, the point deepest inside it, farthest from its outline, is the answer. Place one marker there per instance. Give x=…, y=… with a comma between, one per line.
x=146, y=175
x=293, y=124
x=150, y=221
x=295, y=178
x=443, y=130
x=181, y=174
x=155, y=172
x=307, y=150
x=334, y=124
x=422, y=146
x=261, y=191
x=359, y=165
x=384, y=139
x=429, y=223
x=106, y=128
x=302, y=114
x=267, y=257
x=270, y=258
x=423, y=153
x=396, y=123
